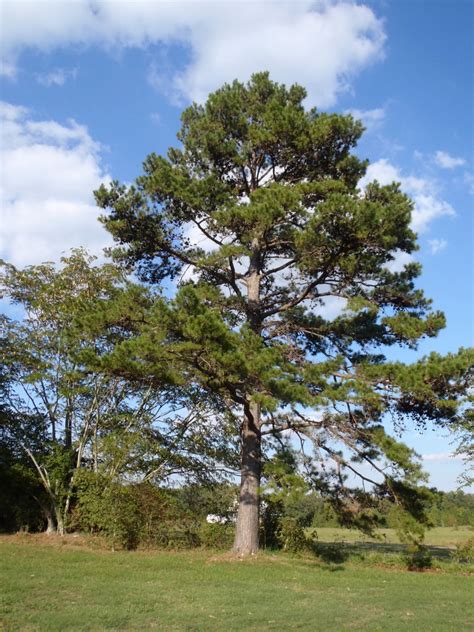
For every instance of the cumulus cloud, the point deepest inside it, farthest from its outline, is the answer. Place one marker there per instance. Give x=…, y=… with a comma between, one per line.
x=446, y=161
x=428, y=204
x=49, y=171
x=372, y=119
x=400, y=261
x=321, y=44
x=57, y=77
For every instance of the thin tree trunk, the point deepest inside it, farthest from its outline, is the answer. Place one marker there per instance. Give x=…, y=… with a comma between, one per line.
x=60, y=523
x=49, y=515
x=247, y=527
x=53, y=515
x=50, y=528
x=68, y=426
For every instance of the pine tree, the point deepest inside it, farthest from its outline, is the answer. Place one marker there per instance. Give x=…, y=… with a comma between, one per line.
x=256, y=221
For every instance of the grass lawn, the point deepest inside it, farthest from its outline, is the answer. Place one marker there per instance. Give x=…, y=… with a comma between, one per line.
x=62, y=587
x=438, y=536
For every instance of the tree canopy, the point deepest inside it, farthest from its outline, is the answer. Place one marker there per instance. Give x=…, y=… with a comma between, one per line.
x=60, y=415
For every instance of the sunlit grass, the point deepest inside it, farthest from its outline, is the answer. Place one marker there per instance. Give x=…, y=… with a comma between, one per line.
x=62, y=587
x=438, y=536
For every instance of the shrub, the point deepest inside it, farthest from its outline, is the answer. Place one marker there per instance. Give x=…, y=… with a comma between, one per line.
x=270, y=517
x=216, y=536
x=291, y=535
x=464, y=552
x=418, y=558
x=108, y=508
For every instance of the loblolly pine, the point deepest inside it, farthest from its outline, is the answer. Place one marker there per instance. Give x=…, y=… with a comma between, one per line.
x=255, y=222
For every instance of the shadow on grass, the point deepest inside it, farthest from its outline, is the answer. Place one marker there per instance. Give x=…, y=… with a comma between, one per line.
x=332, y=553
x=337, y=553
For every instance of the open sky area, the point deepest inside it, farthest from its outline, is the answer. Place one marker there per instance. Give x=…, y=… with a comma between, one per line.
x=89, y=88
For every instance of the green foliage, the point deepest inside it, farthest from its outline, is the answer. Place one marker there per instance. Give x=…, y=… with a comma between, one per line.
x=129, y=515
x=418, y=558
x=132, y=516
x=74, y=409
x=199, y=500
x=464, y=552
x=138, y=386
x=216, y=536
x=291, y=535
x=272, y=191
x=19, y=491
x=58, y=462
x=452, y=509
x=109, y=509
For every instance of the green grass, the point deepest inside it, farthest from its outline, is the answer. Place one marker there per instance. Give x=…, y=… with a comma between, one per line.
x=439, y=536
x=47, y=587
x=386, y=546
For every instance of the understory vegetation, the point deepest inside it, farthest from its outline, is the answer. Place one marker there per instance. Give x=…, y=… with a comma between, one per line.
x=145, y=516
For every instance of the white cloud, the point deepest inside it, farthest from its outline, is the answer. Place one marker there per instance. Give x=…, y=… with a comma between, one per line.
x=469, y=182
x=445, y=161
x=331, y=307
x=428, y=208
x=437, y=245
x=399, y=261
x=49, y=171
x=372, y=119
x=321, y=44
x=7, y=69
x=57, y=77
x=424, y=192
x=442, y=456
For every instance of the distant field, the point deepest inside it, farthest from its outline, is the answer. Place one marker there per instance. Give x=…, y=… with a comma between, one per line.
x=54, y=585
x=439, y=536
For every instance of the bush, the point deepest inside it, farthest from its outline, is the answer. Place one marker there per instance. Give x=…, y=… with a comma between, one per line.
x=216, y=536
x=464, y=552
x=173, y=535
x=108, y=508
x=270, y=517
x=132, y=516
x=418, y=558
x=291, y=535
x=20, y=492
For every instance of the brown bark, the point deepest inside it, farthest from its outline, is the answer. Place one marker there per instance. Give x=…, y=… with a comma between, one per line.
x=247, y=526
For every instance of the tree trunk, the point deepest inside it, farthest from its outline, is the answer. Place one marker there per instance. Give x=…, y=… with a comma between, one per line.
x=51, y=527
x=68, y=427
x=54, y=518
x=50, y=523
x=247, y=527
x=59, y=523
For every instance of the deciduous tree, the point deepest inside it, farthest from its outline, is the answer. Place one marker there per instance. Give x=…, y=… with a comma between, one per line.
x=67, y=413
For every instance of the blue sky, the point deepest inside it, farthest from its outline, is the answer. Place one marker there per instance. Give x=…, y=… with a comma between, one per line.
x=88, y=89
